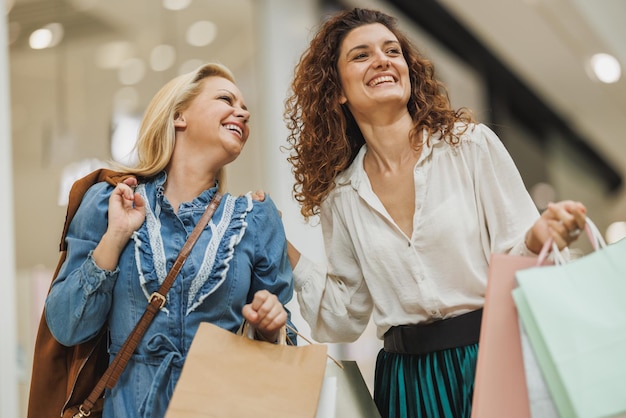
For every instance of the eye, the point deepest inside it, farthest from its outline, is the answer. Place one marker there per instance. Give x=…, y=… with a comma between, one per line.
x=226, y=98
x=359, y=56
x=394, y=51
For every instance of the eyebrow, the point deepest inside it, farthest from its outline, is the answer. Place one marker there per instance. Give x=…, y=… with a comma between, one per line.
x=234, y=96
x=365, y=46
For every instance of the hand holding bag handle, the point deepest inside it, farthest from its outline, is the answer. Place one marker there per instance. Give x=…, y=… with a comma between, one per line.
x=248, y=330
x=157, y=301
x=595, y=237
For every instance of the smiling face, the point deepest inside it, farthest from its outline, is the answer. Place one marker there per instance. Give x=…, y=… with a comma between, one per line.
x=372, y=69
x=217, y=118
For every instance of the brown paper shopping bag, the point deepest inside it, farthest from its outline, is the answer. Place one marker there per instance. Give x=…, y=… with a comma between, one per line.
x=500, y=386
x=231, y=376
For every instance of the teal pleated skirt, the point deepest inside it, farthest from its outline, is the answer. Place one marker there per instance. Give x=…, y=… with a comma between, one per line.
x=433, y=385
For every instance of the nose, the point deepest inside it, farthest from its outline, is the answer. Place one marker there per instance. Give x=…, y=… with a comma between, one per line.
x=243, y=114
x=382, y=60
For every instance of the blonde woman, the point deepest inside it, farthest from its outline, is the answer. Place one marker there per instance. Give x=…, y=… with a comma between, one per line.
x=124, y=239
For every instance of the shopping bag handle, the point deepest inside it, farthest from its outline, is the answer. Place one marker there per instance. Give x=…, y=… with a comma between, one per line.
x=248, y=330
x=595, y=237
x=295, y=331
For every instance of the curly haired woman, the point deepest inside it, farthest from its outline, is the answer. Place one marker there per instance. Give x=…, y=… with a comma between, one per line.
x=413, y=197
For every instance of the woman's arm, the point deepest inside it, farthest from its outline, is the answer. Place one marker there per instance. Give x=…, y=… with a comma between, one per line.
x=80, y=297
x=272, y=278
x=293, y=254
x=561, y=221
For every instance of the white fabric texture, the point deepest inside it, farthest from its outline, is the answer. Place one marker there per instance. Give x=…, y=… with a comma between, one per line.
x=470, y=201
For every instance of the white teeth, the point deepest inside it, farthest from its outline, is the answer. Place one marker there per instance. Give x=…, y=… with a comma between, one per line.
x=235, y=128
x=380, y=80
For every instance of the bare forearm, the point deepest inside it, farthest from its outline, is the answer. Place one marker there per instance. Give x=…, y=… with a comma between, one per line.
x=293, y=254
x=107, y=253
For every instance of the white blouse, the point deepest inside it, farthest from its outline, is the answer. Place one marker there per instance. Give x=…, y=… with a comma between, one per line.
x=470, y=201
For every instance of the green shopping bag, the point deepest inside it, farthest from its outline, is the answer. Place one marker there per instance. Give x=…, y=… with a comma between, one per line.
x=575, y=318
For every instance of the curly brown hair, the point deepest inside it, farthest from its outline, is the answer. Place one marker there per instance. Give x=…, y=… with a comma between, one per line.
x=324, y=137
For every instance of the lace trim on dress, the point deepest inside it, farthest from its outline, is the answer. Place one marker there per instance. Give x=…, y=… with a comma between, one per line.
x=153, y=225
x=230, y=230
x=226, y=233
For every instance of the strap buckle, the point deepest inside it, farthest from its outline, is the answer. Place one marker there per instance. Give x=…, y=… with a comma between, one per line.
x=160, y=297
x=81, y=413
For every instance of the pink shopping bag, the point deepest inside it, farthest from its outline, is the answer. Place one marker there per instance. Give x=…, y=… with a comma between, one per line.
x=500, y=387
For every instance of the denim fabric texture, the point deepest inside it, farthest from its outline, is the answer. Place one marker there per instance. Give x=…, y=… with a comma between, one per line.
x=242, y=250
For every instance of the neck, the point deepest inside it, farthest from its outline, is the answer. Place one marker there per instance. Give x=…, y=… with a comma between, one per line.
x=389, y=146
x=185, y=183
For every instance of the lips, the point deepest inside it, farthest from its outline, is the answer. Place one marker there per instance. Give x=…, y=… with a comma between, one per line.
x=381, y=80
x=234, y=128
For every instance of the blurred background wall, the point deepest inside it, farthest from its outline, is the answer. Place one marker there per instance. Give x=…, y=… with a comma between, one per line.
x=75, y=76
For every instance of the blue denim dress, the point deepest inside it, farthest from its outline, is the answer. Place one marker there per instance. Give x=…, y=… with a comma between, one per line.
x=242, y=250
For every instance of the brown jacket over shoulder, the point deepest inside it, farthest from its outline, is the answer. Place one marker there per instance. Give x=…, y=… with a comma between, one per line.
x=64, y=376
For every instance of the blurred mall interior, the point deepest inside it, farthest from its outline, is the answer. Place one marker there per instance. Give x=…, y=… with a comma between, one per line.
x=76, y=75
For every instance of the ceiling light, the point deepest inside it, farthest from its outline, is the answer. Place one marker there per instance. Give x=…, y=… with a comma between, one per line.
x=40, y=39
x=46, y=37
x=176, y=4
x=605, y=68
x=201, y=33
x=615, y=232
x=162, y=57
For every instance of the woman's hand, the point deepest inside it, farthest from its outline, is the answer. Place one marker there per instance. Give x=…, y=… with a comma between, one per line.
x=562, y=221
x=266, y=314
x=258, y=195
x=127, y=211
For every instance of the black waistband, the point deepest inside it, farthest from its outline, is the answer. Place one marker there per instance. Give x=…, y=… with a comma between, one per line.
x=418, y=339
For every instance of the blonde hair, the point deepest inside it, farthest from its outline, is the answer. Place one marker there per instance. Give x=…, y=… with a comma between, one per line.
x=157, y=134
